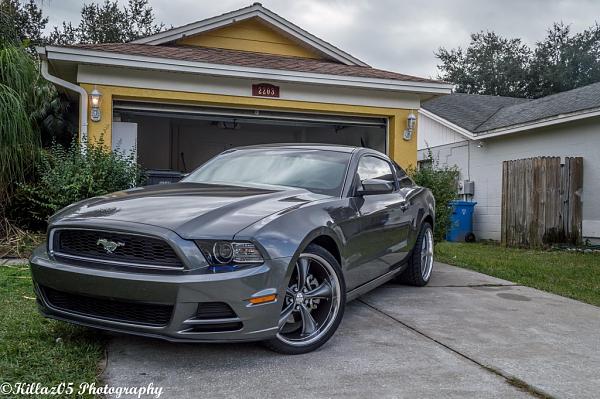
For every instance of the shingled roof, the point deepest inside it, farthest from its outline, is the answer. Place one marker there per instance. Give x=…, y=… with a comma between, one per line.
x=481, y=114
x=249, y=59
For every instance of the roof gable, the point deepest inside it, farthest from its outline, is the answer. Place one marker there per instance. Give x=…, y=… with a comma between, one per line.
x=316, y=47
x=250, y=35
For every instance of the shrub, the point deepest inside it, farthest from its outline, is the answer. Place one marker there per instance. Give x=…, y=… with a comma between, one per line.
x=441, y=180
x=67, y=175
x=19, y=141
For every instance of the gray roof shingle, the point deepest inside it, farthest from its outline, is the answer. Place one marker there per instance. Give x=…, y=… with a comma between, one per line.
x=250, y=59
x=480, y=114
x=468, y=110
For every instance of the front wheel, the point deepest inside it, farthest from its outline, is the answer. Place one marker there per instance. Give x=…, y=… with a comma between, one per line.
x=314, y=303
x=420, y=261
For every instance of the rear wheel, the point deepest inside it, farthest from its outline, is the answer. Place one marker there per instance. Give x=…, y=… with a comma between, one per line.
x=420, y=261
x=313, y=305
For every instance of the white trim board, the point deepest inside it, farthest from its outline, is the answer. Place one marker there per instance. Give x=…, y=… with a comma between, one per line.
x=94, y=57
x=254, y=11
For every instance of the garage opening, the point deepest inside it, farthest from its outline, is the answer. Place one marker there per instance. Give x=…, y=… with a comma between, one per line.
x=181, y=137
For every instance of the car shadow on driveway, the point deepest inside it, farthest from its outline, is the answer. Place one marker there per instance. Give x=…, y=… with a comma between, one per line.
x=464, y=335
x=371, y=355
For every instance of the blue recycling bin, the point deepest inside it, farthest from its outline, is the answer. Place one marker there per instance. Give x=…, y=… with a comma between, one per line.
x=461, y=221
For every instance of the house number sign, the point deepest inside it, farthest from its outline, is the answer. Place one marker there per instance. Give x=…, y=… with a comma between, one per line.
x=265, y=90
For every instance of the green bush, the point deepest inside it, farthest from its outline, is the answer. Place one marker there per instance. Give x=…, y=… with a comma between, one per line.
x=67, y=175
x=441, y=180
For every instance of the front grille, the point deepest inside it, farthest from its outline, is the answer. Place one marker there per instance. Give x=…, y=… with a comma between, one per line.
x=108, y=309
x=129, y=248
x=214, y=310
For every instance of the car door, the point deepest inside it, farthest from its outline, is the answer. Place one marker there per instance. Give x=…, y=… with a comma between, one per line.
x=380, y=244
x=409, y=191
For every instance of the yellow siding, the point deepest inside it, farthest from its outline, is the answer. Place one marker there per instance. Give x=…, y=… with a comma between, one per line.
x=403, y=152
x=249, y=35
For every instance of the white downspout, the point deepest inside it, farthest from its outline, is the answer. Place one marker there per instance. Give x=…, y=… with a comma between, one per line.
x=83, y=101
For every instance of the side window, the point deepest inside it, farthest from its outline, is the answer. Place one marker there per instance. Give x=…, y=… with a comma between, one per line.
x=403, y=179
x=370, y=167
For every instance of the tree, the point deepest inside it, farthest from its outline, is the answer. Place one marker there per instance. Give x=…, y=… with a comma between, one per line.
x=109, y=23
x=563, y=61
x=22, y=22
x=489, y=65
x=498, y=66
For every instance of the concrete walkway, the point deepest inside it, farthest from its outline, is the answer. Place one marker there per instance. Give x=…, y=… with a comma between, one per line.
x=464, y=335
x=13, y=261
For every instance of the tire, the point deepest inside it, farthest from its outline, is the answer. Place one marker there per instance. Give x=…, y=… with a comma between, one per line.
x=324, y=280
x=420, y=267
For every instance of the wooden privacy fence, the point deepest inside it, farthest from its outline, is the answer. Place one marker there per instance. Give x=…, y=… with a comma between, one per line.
x=541, y=201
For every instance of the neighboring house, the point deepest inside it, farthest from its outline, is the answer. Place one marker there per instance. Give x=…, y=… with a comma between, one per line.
x=476, y=133
x=245, y=77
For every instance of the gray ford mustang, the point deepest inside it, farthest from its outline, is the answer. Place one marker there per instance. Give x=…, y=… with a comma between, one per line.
x=262, y=243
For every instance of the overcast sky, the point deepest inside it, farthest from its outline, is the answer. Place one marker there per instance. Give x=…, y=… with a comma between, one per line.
x=397, y=35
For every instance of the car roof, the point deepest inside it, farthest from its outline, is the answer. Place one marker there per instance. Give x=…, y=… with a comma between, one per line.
x=311, y=146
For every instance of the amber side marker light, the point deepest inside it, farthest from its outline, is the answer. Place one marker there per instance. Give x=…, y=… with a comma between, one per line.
x=263, y=299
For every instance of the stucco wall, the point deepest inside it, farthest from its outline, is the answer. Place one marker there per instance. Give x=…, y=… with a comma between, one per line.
x=484, y=166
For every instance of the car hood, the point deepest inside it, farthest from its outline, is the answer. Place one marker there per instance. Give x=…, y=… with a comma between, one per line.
x=192, y=210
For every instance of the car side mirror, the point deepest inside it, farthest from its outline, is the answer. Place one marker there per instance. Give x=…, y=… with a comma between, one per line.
x=375, y=186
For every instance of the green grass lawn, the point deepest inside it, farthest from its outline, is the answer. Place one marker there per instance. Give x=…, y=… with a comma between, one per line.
x=571, y=274
x=34, y=349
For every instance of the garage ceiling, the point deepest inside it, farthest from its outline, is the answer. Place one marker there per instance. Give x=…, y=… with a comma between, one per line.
x=241, y=114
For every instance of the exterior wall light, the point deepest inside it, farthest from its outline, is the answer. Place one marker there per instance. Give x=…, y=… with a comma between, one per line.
x=95, y=101
x=411, y=121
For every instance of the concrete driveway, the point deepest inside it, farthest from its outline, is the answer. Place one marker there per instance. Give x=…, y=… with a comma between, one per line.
x=464, y=335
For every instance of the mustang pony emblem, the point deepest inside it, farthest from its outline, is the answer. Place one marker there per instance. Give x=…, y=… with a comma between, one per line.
x=109, y=246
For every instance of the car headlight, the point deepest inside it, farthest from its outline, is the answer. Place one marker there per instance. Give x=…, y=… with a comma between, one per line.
x=229, y=252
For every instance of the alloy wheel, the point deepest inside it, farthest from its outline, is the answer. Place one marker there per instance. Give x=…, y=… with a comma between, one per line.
x=312, y=301
x=427, y=254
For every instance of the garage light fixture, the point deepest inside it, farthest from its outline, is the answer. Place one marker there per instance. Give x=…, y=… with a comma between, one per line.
x=411, y=121
x=95, y=101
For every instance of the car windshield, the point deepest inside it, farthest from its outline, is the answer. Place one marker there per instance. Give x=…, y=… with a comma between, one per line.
x=319, y=171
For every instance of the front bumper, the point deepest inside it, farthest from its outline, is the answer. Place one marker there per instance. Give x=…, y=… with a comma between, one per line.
x=183, y=290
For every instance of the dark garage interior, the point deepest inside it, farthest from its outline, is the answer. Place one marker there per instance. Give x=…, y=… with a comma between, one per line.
x=181, y=138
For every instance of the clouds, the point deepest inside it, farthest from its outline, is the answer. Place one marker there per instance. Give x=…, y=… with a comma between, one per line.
x=390, y=34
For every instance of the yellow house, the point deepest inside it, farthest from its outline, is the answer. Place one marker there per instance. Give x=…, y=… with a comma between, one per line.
x=249, y=76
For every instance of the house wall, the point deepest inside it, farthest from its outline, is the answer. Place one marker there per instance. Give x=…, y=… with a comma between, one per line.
x=249, y=35
x=155, y=89
x=436, y=134
x=484, y=166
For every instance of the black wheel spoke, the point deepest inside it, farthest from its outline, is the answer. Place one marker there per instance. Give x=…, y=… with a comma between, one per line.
x=285, y=315
x=302, y=265
x=309, y=325
x=323, y=291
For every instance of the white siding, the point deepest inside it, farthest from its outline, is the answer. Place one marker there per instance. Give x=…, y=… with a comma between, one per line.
x=484, y=166
x=432, y=133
